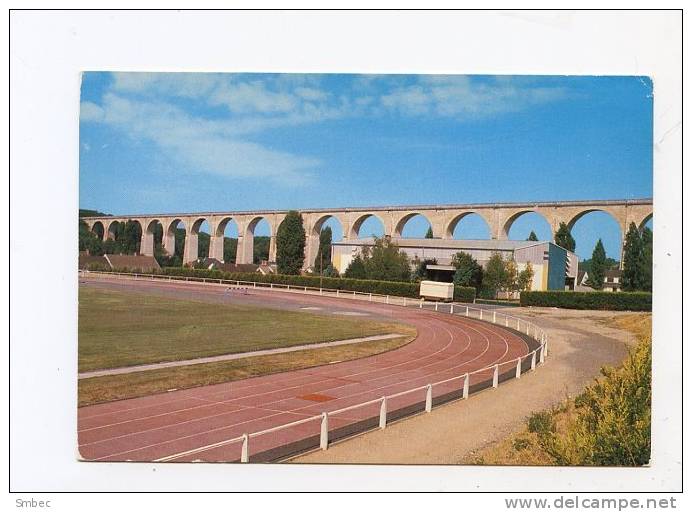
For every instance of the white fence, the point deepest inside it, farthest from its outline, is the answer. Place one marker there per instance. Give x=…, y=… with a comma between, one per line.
x=530, y=360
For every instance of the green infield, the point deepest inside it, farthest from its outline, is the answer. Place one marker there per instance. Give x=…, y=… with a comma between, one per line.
x=130, y=385
x=118, y=329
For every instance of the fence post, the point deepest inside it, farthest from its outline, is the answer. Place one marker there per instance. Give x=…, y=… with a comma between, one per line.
x=533, y=361
x=518, y=373
x=451, y=309
x=465, y=392
x=383, y=413
x=354, y=294
x=542, y=355
x=428, y=398
x=337, y=292
x=320, y=291
x=545, y=345
x=517, y=324
x=386, y=300
x=480, y=316
x=244, y=454
x=496, y=375
x=370, y=297
x=435, y=306
x=271, y=286
x=404, y=301
x=467, y=311
x=493, y=316
x=528, y=328
x=254, y=285
x=324, y=431
x=420, y=306
x=506, y=321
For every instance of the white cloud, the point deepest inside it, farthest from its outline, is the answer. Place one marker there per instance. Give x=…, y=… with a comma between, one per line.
x=465, y=98
x=203, y=145
x=231, y=107
x=89, y=111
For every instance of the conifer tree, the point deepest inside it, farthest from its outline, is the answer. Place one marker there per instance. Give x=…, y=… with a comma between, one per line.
x=631, y=260
x=290, y=244
x=564, y=238
x=598, y=266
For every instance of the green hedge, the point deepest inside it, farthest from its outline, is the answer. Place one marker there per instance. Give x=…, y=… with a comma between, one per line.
x=397, y=288
x=401, y=289
x=616, y=301
x=464, y=294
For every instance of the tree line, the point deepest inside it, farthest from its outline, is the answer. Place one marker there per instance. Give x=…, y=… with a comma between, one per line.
x=637, y=259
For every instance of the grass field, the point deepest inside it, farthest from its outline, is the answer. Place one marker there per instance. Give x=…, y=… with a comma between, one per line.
x=122, y=329
x=119, y=329
x=131, y=385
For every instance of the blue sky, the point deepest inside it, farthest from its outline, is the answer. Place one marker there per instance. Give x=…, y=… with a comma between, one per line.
x=168, y=142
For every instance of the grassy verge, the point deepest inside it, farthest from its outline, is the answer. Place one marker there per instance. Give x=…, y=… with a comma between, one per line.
x=609, y=424
x=119, y=329
x=115, y=387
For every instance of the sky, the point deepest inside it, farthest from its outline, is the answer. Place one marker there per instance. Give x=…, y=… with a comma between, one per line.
x=185, y=142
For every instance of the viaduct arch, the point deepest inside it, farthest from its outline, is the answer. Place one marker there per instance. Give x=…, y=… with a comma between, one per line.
x=442, y=218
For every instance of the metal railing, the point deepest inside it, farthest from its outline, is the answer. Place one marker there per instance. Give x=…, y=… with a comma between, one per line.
x=531, y=360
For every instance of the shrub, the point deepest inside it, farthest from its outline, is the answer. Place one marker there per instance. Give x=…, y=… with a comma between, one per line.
x=464, y=293
x=398, y=288
x=613, y=422
x=521, y=443
x=541, y=423
x=616, y=301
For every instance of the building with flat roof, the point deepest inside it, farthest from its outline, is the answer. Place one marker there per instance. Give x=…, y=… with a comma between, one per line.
x=554, y=268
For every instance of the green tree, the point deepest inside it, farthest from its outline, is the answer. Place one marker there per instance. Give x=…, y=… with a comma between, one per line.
x=631, y=260
x=260, y=249
x=324, y=253
x=525, y=278
x=290, y=244
x=230, y=248
x=646, y=260
x=203, y=240
x=468, y=271
x=385, y=262
x=356, y=269
x=429, y=232
x=495, y=274
x=598, y=266
x=564, y=238
x=511, y=276
x=532, y=237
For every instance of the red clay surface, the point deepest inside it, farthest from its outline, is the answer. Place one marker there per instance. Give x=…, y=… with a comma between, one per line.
x=193, y=424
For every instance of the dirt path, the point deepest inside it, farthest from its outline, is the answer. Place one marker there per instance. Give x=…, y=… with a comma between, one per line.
x=580, y=343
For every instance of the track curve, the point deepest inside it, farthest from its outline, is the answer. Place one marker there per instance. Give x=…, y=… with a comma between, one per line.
x=192, y=424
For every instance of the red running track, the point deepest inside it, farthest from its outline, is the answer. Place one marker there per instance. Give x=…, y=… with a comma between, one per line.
x=192, y=425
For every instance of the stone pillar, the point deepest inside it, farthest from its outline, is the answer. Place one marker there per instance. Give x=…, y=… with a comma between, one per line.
x=241, y=255
x=169, y=242
x=216, y=247
x=190, y=250
x=146, y=246
x=272, y=249
x=312, y=247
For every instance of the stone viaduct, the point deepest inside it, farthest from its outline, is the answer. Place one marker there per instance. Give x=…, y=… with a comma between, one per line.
x=442, y=218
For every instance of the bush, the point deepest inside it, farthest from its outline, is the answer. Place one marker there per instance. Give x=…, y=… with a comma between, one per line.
x=541, y=423
x=464, y=293
x=615, y=301
x=613, y=422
